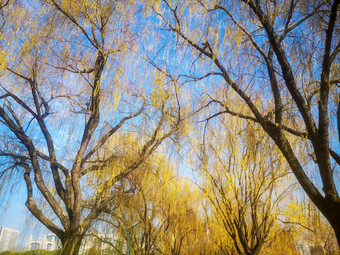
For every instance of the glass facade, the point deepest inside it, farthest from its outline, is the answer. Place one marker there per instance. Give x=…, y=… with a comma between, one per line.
x=8, y=239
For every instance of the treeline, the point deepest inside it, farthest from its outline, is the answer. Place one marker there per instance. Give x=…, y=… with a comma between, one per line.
x=162, y=213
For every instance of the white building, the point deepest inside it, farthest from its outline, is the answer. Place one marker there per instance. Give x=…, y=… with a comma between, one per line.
x=8, y=239
x=48, y=242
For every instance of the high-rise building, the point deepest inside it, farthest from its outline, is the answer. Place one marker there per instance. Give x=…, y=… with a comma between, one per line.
x=8, y=239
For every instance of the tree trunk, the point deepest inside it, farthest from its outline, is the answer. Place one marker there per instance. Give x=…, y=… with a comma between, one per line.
x=337, y=234
x=335, y=223
x=72, y=245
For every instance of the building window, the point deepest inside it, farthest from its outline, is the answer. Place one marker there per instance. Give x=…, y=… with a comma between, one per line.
x=49, y=246
x=35, y=246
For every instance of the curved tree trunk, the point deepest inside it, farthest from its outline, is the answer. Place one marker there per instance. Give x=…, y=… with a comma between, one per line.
x=337, y=234
x=72, y=245
x=335, y=223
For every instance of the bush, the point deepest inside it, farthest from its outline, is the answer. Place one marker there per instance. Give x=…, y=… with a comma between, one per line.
x=33, y=252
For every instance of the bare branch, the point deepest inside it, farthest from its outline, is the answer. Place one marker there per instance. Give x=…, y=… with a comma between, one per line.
x=75, y=22
x=296, y=24
x=4, y=5
x=296, y=223
x=105, y=137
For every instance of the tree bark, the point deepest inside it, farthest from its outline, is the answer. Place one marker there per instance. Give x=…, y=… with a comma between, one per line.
x=71, y=245
x=337, y=232
x=334, y=221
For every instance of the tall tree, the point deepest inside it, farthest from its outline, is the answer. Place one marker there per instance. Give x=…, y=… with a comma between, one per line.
x=281, y=59
x=244, y=180
x=160, y=215
x=69, y=103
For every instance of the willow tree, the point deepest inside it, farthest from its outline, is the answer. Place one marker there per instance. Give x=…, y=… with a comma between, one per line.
x=161, y=214
x=281, y=59
x=70, y=99
x=244, y=181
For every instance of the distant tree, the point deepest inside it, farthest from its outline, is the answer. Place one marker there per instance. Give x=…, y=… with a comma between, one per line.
x=32, y=252
x=284, y=243
x=159, y=216
x=307, y=226
x=242, y=177
x=5, y=253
